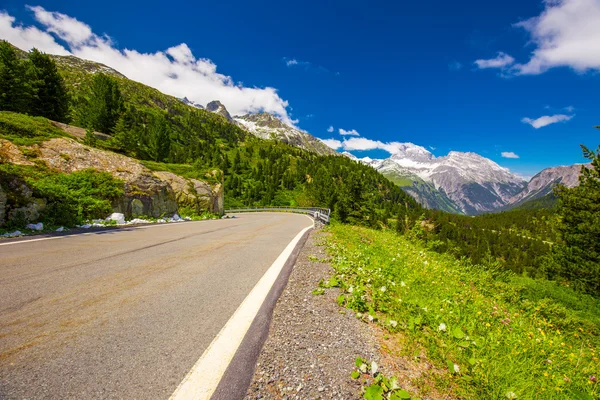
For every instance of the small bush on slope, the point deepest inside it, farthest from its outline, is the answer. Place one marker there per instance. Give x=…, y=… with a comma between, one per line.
x=70, y=198
x=494, y=336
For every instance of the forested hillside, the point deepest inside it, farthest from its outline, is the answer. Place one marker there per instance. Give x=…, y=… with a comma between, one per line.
x=169, y=135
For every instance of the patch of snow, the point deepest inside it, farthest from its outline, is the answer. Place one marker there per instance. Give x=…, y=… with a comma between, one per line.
x=119, y=218
x=138, y=221
x=35, y=227
x=12, y=234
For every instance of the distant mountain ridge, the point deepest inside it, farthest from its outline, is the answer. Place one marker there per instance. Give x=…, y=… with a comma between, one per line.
x=457, y=182
x=466, y=182
x=460, y=182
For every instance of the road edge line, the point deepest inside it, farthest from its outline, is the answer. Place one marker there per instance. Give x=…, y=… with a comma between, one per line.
x=203, y=379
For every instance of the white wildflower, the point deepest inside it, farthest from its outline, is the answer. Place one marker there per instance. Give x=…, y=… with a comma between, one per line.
x=374, y=368
x=442, y=327
x=402, y=284
x=456, y=368
x=511, y=395
x=393, y=323
x=350, y=289
x=370, y=318
x=383, y=289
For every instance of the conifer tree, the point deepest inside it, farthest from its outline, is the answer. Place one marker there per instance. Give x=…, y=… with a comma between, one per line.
x=15, y=90
x=102, y=109
x=51, y=98
x=159, y=142
x=577, y=258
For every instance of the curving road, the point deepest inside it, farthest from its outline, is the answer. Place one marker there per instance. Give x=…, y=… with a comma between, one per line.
x=126, y=313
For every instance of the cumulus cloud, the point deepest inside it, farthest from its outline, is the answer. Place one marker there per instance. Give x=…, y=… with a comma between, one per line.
x=28, y=37
x=330, y=129
x=547, y=120
x=502, y=60
x=565, y=34
x=364, y=144
x=509, y=154
x=351, y=132
x=333, y=143
x=175, y=71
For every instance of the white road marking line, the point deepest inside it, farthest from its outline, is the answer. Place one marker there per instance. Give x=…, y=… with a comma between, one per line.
x=201, y=382
x=115, y=230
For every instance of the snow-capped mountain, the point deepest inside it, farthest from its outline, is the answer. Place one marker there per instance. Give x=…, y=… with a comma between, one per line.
x=465, y=182
x=188, y=102
x=267, y=126
x=543, y=183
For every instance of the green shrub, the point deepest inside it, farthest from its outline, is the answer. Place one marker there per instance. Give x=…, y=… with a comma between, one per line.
x=76, y=197
x=24, y=130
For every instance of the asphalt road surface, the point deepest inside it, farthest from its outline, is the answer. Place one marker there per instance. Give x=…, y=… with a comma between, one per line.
x=126, y=313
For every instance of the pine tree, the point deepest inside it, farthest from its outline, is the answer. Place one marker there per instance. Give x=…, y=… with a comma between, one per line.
x=51, y=100
x=577, y=258
x=159, y=143
x=102, y=109
x=15, y=90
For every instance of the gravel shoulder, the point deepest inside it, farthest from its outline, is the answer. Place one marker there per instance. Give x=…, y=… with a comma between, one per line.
x=312, y=343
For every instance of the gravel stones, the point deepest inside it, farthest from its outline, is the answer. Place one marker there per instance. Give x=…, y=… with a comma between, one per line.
x=312, y=343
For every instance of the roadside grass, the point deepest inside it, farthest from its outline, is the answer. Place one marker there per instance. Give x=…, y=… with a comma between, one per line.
x=494, y=335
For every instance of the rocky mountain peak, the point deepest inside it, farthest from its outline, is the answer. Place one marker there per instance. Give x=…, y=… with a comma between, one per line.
x=264, y=120
x=412, y=152
x=189, y=102
x=218, y=108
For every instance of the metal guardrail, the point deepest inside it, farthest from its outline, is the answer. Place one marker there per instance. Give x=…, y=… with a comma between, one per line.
x=321, y=214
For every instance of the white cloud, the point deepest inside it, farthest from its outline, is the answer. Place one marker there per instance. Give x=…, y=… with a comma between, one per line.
x=569, y=108
x=175, y=71
x=546, y=120
x=509, y=154
x=28, y=37
x=291, y=62
x=330, y=129
x=333, y=143
x=352, y=132
x=68, y=29
x=565, y=34
x=502, y=60
x=364, y=144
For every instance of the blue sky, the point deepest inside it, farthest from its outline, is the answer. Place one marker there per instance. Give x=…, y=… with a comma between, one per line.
x=445, y=75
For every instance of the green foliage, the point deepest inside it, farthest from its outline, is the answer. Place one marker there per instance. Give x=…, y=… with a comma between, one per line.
x=159, y=141
x=518, y=240
x=16, y=92
x=33, y=85
x=100, y=108
x=51, y=97
x=76, y=197
x=482, y=327
x=577, y=258
x=25, y=130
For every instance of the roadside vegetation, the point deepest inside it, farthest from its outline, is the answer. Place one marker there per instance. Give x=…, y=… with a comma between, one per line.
x=489, y=333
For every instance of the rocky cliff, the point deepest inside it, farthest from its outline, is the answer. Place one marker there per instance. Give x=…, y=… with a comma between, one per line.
x=146, y=192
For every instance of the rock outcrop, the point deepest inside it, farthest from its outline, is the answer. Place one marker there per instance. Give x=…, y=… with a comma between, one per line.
x=147, y=192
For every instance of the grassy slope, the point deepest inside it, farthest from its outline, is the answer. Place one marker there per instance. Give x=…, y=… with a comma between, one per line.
x=505, y=334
